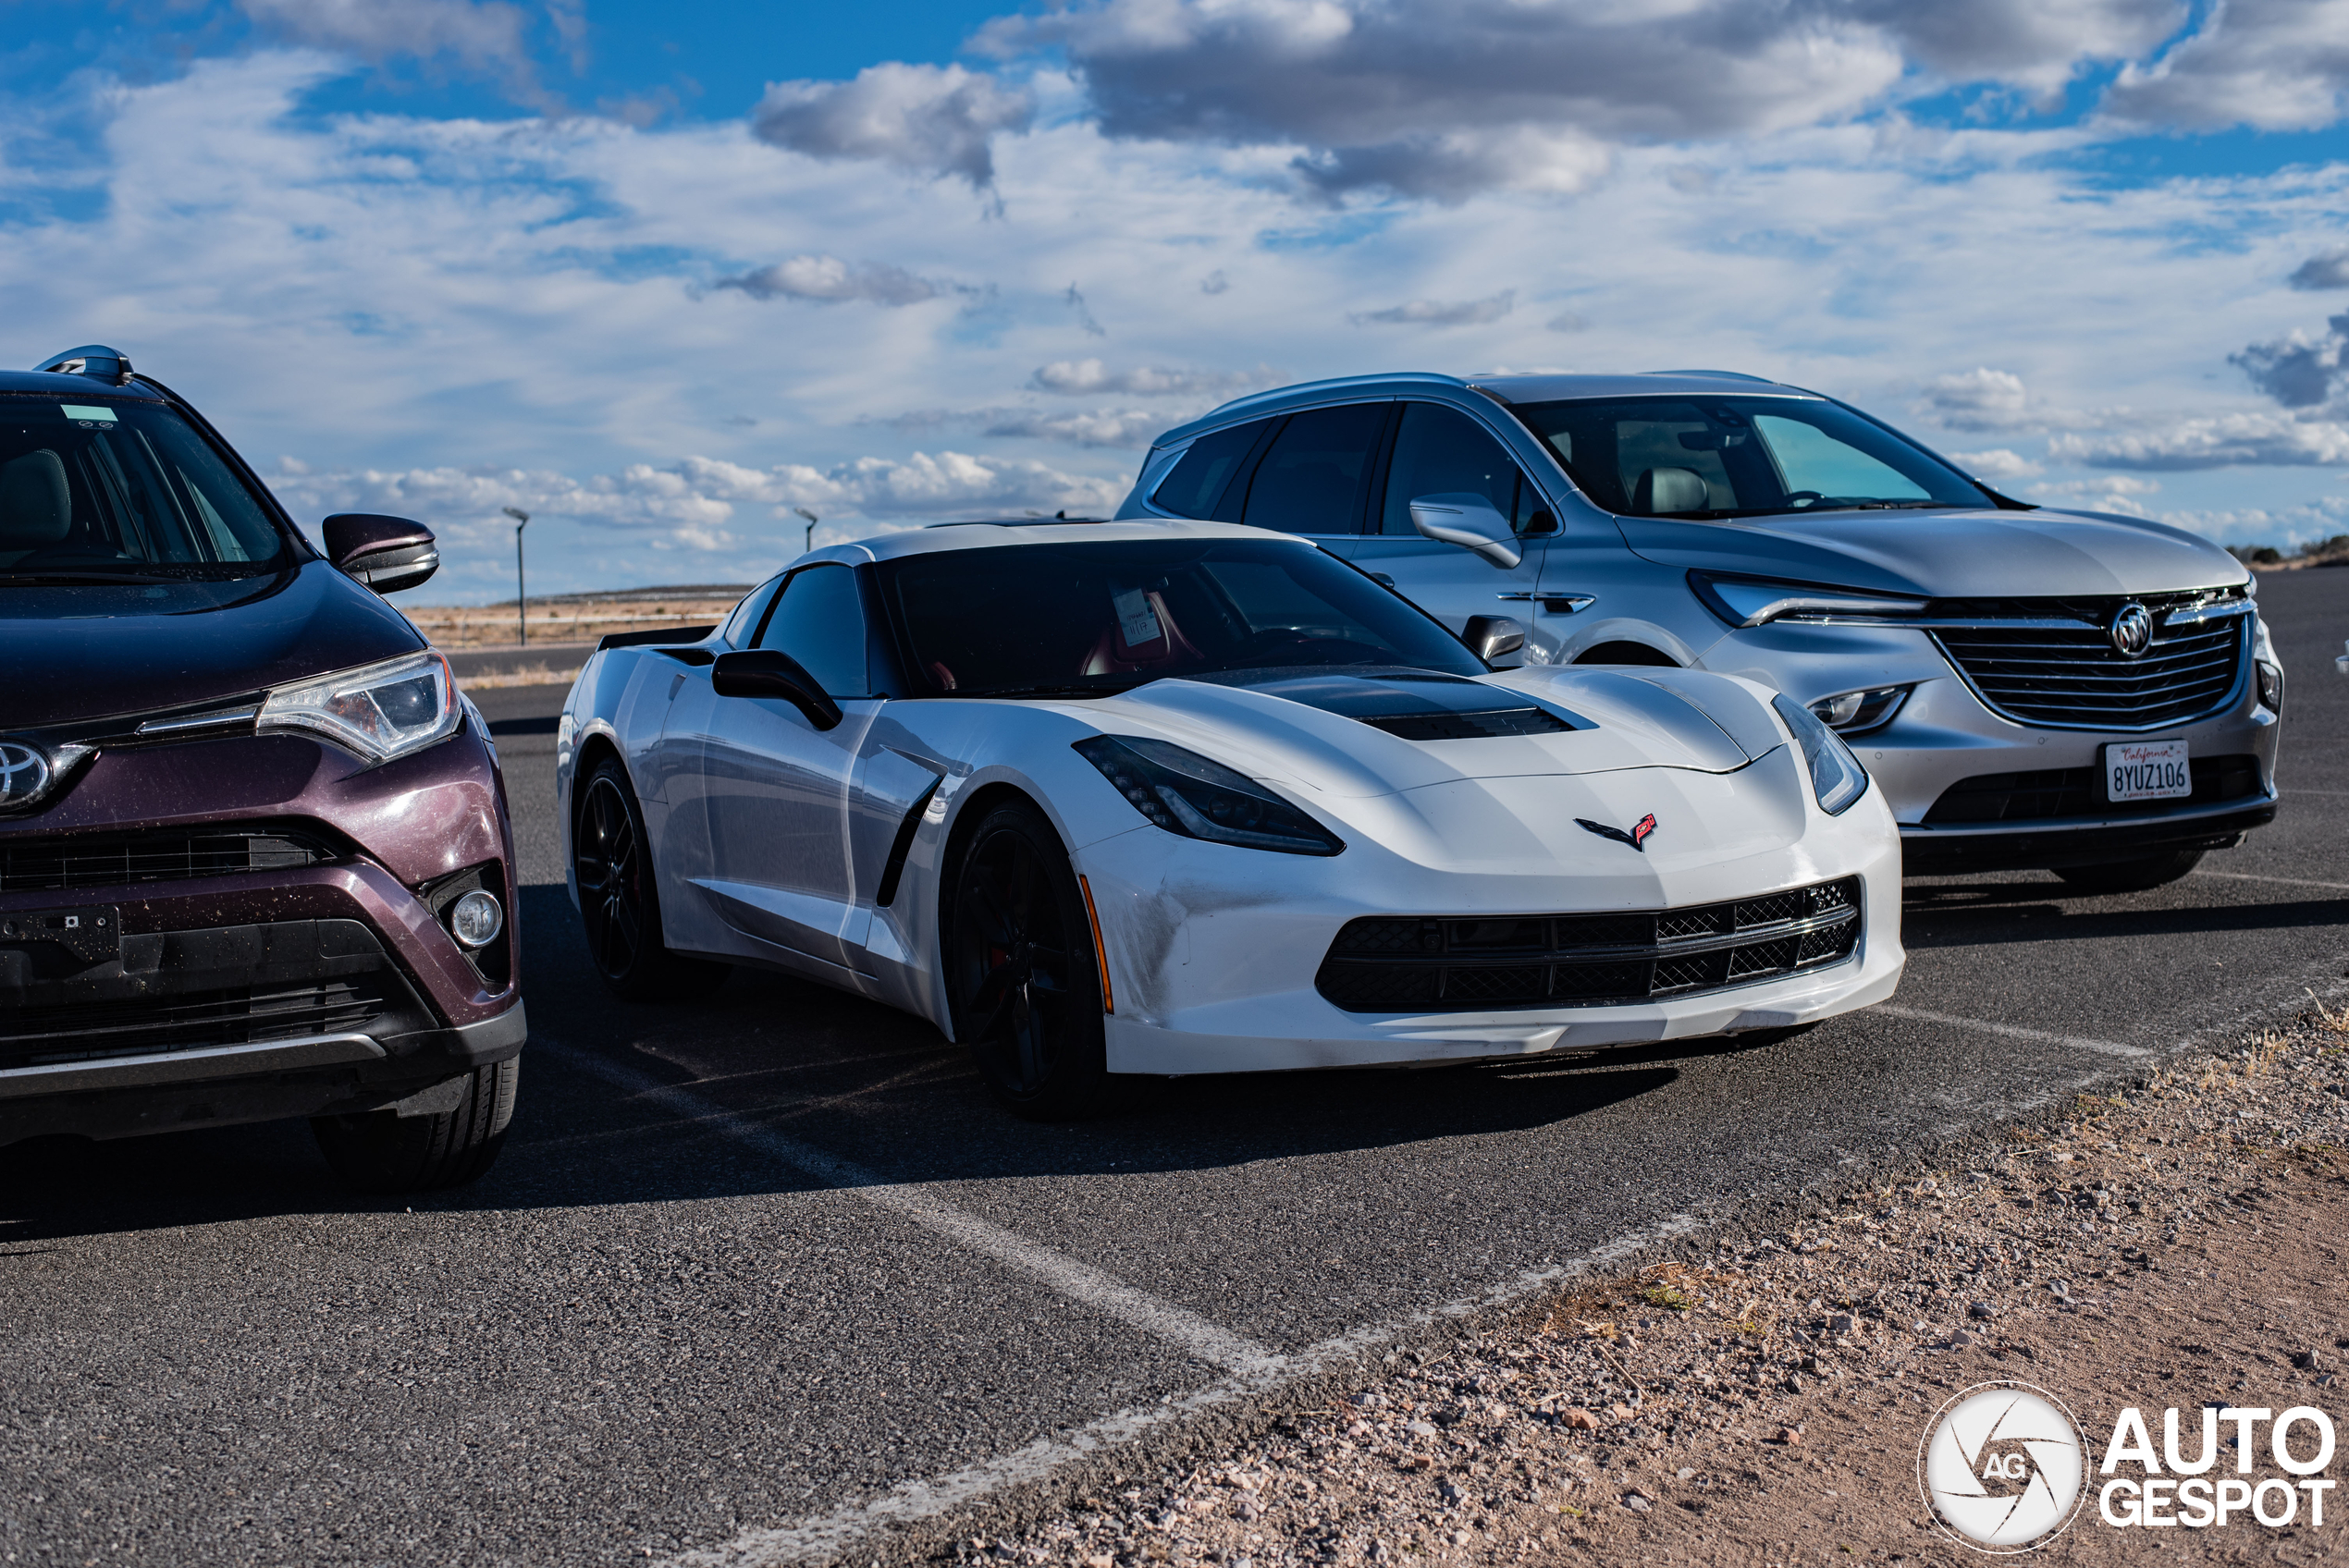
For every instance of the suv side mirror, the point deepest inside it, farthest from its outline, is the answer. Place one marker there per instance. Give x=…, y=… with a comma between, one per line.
x=1470, y=521
x=771, y=672
x=1491, y=637
x=385, y=553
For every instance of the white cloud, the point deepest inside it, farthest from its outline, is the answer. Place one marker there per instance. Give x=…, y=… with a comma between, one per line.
x=1441, y=312
x=1997, y=463
x=927, y=119
x=1978, y=399
x=830, y=280
x=2275, y=65
x=2230, y=440
x=484, y=35
x=2328, y=269
x=2298, y=371
x=1081, y=377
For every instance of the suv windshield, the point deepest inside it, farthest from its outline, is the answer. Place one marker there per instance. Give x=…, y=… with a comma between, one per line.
x=1083, y=619
x=112, y=489
x=1739, y=457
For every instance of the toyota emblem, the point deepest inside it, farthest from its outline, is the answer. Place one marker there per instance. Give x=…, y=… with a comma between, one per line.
x=2132, y=629
x=24, y=774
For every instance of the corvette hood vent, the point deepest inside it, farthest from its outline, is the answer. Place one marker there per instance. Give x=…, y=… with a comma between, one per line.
x=1413, y=705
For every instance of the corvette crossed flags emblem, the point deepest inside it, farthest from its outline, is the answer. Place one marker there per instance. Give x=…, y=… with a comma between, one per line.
x=1637, y=838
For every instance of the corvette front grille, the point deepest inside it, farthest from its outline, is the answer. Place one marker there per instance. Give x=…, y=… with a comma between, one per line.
x=1479, y=964
x=2052, y=662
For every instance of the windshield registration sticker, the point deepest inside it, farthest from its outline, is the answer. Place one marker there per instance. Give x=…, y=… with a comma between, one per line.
x=1136, y=622
x=87, y=415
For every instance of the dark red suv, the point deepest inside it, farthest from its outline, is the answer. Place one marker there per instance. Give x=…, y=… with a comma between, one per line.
x=255, y=854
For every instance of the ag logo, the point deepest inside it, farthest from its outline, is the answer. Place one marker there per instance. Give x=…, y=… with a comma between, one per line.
x=2132, y=629
x=24, y=774
x=2001, y=1468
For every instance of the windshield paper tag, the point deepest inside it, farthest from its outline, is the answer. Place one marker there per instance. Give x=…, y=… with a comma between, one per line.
x=83, y=415
x=1137, y=622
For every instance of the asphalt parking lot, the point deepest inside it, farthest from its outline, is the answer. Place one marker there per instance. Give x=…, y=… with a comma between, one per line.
x=764, y=1277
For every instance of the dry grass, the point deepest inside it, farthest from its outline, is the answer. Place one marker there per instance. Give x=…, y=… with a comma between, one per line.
x=465, y=626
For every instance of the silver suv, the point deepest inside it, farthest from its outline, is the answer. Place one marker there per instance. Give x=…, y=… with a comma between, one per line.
x=2091, y=693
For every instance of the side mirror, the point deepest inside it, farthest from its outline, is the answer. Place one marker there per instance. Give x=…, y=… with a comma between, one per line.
x=771, y=672
x=385, y=553
x=1470, y=521
x=1491, y=637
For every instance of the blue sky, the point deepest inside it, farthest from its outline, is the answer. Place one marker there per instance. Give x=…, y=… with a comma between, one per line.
x=660, y=275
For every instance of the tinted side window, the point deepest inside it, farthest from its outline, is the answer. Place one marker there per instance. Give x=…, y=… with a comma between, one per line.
x=742, y=624
x=1441, y=451
x=819, y=620
x=1312, y=476
x=1197, y=481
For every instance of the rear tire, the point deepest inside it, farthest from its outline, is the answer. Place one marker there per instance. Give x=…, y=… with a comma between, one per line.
x=1021, y=975
x=620, y=899
x=382, y=1152
x=2132, y=876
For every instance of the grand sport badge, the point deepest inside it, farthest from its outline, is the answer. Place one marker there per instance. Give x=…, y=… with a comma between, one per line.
x=2001, y=1468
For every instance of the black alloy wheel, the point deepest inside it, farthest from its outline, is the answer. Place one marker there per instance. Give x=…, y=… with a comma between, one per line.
x=1024, y=988
x=618, y=902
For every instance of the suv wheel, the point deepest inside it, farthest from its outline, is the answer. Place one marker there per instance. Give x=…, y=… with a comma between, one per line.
x=381, y=1151
x=619, y=901
x=2132, y=876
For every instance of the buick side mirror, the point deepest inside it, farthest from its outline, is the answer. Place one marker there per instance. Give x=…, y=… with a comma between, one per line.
x=388, y=553
x=1491, y=637
x=771, y=672
x=1470, y=521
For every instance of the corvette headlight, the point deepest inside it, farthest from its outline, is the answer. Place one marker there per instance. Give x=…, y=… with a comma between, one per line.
x=1744, y=602
x=1837, y=778
x=1185, y=794
x=380, y=711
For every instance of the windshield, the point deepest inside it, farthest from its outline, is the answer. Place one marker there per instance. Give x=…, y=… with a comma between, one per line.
x=1739, y=457
x=1080, y=618
x=113, y=490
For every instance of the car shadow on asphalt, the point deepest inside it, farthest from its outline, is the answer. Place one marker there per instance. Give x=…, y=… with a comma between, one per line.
x=1980, y=914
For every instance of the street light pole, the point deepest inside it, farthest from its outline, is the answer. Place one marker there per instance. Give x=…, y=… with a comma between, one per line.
x=812, y=521
x=521, y=598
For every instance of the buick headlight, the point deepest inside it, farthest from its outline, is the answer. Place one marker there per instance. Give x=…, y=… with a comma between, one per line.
x=1837, y=778
x=1745, y=601
x=380, y=711
x=1854, y=713
x=1185, y=794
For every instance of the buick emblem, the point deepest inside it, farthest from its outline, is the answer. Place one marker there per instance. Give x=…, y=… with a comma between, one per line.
x=1637, y=838
x=2132, y=629
x=24, y=774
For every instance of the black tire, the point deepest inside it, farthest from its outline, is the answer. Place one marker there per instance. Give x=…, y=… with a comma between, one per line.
x=2132, y=876
x=619, y=899
x=379, y=1151
x=1020, y=971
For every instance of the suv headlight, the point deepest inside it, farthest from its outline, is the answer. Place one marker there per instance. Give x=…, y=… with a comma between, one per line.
x=1855, y=713
x=379, y=711
x=1749, y=601
x=1837, y=778
x=1185, y=794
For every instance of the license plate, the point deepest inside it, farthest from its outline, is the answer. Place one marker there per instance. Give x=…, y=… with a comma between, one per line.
x=2147, y=770
x=90, y=935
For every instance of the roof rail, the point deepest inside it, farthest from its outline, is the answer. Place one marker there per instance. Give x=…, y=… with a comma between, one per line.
x=1724, y=374
x=93, y=360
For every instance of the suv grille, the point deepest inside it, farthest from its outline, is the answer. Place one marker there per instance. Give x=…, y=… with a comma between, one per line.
x=2054, y=664
x=1387, y=964
x=159, y=854
x=2071, y=791
x=32, y=1037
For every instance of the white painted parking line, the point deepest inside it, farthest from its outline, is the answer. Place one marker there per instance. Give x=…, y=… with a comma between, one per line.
x=2014, y=1031
x=1078, y=1280
x=831, y=1535
x=2281, y=881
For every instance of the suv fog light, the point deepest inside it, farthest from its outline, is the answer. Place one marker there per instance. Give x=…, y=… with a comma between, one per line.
x=1853, y=711
x=475, y=919
x=2271, y=686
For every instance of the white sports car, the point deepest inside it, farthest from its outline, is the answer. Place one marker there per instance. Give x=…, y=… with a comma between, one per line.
x=1171, y=798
